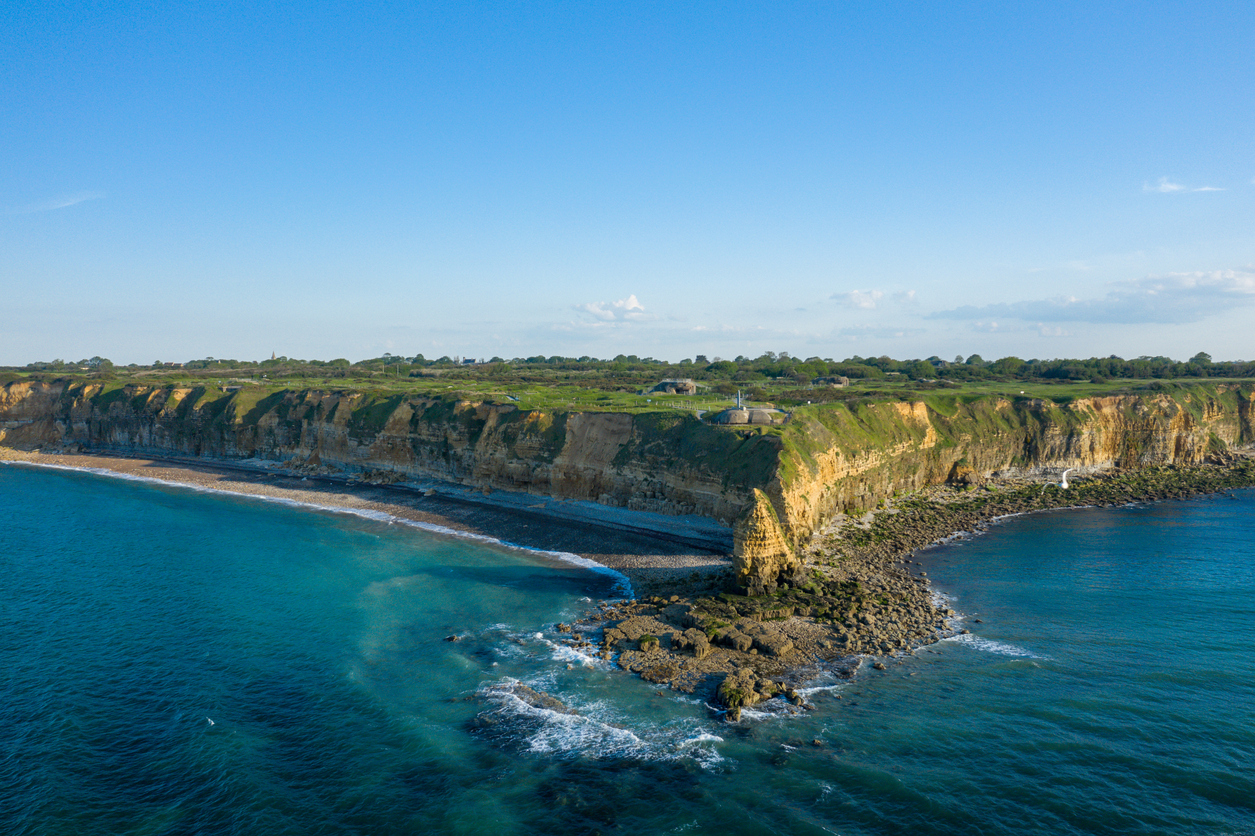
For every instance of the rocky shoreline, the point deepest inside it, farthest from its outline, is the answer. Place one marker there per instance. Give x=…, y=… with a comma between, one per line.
x=860, y=596
x=857, y=598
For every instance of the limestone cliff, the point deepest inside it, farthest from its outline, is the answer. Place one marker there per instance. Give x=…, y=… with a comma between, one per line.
x=849, y=460
x=776, y=485
x=661, y=462
x=761, y=551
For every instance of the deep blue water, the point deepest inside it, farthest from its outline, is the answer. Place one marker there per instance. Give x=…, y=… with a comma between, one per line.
x=1108, y=688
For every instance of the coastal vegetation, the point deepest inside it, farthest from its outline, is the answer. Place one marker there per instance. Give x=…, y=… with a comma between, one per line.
x=818, y=510
x=621, y=383
x=771, y=486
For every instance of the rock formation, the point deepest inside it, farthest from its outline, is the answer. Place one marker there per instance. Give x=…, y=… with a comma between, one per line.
x=773, y=486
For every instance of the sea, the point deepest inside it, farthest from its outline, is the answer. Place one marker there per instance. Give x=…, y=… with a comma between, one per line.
x=176, y=661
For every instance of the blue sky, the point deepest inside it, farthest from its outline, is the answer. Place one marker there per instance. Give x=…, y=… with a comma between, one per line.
x=1045, y=180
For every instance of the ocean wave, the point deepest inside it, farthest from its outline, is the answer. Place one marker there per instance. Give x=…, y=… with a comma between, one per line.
x=591, y=730
x=775, y=708
x=993, y=646
x=826, y=682
x=566, y=653
x=623, y=585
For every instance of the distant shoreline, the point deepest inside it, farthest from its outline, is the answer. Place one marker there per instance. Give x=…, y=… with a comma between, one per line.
x=653, y=564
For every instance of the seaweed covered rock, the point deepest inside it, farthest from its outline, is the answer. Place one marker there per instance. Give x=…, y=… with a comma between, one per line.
x=743, y=688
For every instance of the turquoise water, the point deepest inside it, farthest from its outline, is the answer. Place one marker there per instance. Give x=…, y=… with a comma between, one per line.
x=1108, y=688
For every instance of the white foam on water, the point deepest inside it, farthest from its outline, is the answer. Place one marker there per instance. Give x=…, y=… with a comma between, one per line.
x=587, y=734
x=822, y=684
x=772, y=709
x=623, y=585
x=566, y=653
x=992, y=646
x=510, y=642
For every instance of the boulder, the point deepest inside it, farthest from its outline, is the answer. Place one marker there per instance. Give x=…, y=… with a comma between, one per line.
x=738, y=689
x=773, y=644
x=680, y=615
x=693, y=641
x=734, y=638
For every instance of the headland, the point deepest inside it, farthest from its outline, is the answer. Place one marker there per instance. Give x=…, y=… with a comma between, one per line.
x=756, y=551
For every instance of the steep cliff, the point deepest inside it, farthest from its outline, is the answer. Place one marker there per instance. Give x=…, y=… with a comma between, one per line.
x=843, y=460
x=776, y=485
x=662, y=462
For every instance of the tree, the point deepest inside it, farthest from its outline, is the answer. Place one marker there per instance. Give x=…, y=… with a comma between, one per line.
x=921, y=370
x=1007, y=365
x=1202, y=359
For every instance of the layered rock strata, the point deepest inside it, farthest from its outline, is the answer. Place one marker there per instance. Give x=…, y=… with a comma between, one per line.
x=774, y=487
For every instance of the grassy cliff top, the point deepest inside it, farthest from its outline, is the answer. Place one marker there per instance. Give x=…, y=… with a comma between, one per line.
x=609, y=390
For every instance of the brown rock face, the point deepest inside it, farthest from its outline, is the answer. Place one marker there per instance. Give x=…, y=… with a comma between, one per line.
x=964, y=475
x=761, y=552
x=619, y=460
x=776, y=489
x=850, y=460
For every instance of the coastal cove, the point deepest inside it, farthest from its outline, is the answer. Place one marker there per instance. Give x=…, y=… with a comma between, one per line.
x=1101, y=689
x=859, y=598
x=592, y=419
x=648, y=563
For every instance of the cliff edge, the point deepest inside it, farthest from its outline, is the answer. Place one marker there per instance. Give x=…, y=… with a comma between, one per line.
x=773, y=487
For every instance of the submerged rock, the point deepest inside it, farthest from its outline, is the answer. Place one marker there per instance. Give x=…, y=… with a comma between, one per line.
x=538, y=699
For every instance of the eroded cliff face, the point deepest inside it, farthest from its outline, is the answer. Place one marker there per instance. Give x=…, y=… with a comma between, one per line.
x=661, y=462
x=776, y=487
x=842, y=461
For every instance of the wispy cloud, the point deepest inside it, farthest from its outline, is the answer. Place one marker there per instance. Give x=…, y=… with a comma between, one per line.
x=906, y=298
x=1166, y=186
x=865, y=299
x=1170, y=298
x=57, y=203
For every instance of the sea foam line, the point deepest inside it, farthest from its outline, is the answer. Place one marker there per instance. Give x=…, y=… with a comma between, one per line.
x=622, y=584
x=585, y=733
x=992, y=646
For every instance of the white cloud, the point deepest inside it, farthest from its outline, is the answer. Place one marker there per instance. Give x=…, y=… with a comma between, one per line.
x=1170, y=298
x=905, y=298
x=58, y=203
x=1166, y=186
x=624, y=310
x=865, y=299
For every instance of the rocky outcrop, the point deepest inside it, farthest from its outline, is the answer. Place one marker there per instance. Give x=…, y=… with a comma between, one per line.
x=775, y=485
x=761, y=552
x=837, y=460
